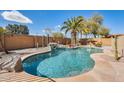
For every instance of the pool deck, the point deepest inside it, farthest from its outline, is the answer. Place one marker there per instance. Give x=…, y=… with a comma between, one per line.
x=23, y=76
x=106, y=69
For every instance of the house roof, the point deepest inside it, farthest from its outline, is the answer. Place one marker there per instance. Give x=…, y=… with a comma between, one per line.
x=112, y=35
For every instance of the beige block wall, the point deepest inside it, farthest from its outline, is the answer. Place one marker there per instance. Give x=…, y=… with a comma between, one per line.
x=39, y=40
x=105, y=41
x=19, y=41
x=13, y=42
x=27, y=41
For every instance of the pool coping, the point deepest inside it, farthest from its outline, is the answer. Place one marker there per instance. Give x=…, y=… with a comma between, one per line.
x=36, y=53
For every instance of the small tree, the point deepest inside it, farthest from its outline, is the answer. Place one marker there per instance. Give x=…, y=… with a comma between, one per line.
x=48, y=32
x=2, y=32
x=17, y=29
x=57, y=35
x=104, y=32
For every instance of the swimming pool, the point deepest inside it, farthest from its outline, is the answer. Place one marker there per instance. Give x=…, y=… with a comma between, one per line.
x=61, y=62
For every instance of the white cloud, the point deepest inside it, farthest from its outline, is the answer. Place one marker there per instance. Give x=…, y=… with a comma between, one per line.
x=15, y=16
x=58, y=27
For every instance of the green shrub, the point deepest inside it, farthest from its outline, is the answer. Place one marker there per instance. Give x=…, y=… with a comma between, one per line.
x=98, y=44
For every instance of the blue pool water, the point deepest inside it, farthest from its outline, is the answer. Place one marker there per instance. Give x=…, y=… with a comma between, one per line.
x=61, y=62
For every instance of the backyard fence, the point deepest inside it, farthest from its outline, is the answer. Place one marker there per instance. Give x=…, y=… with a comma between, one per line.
x=105, y=41
x=12, y=42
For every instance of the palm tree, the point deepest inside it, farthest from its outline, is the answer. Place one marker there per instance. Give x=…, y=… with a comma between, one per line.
x=97, y=18
x=86, y=32
x=94, y=27
x=2, y=32
x=73, y=25
x=85, y=28
x=96, y=22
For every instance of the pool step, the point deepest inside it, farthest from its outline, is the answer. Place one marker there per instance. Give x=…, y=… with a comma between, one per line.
x=11, y=65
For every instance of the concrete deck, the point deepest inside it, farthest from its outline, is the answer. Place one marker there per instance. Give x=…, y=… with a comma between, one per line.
x=23, y=76
x=106, y=69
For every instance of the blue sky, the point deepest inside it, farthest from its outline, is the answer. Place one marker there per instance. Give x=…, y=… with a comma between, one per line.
x=38, y=20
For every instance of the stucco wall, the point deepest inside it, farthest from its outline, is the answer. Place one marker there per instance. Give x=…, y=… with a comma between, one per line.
x=19, y=41
x=105, y=41
x=27, y=41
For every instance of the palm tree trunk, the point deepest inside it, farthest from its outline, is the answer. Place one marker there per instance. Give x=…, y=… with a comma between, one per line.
x=73, y=38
